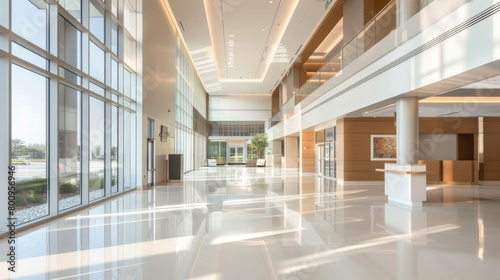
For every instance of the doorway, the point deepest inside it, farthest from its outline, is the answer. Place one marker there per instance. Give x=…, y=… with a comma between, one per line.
x=236, y=154
x=150, y=169
x=151, y=162
x=319, y=159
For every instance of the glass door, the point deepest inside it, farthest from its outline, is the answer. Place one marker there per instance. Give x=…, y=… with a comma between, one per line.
x=319, y=159
x=236, y=154
x=151, y=162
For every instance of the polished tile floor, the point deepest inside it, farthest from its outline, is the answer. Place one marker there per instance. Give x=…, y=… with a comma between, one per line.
x=266, y=223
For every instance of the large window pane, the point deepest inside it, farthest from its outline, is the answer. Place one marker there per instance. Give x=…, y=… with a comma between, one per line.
x=69, y=144
x=130, y=51
x=70, y=43
x=70, y=76
x=29, y=143
x=29, y=20
x=114, y=74
x=127, y=150
x=96, y=148
x=114, y=7
x=73, y=7
x=114, y=39
x=213, y=149
x=97, y=89
x=114, y=149
x=96, y=20
x=130, y=19
x=96, y=62
x=127, y=77
x=28, y=55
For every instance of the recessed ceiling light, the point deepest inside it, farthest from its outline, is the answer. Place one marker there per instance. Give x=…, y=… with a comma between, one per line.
x=263, y=29
x=270, y=2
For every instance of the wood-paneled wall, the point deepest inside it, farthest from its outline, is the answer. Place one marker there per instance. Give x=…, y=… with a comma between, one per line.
x=353, y=143
x=353, y=148
x=491, y=135
x=307, y=151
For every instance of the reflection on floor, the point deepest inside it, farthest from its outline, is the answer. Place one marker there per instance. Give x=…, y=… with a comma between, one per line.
x=265, y=223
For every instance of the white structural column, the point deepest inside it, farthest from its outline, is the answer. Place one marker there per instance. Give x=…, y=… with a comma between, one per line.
x=407, y=130
x=405, y=181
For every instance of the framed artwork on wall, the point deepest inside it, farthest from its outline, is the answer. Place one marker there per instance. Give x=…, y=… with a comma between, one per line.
x=383, y=147
x=164, y=133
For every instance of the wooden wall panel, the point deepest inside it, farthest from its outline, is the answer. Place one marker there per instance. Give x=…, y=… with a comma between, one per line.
x=357, y=165
x=491, y=176
x=307, y=151
x=491, y=147
x=275, y=102
x=356, y=176
x=355, y=126
x=491, y=125
x=377, y=176
x=357, y=147
x=465, y=146
x=458, y=171
x=448, y=125
x=340, y=126
x=382, y=126
x=492, y=166
x=435, y=167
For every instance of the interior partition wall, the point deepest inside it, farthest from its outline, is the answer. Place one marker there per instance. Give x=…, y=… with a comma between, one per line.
x=70, y=101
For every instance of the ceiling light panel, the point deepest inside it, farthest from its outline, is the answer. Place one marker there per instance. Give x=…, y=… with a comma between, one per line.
x=227, y=44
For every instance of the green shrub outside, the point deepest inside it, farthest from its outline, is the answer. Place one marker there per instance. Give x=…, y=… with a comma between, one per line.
x=37, y=185
x=20, y=199
x=67, y=188
x=32, y=197
x=96, y=184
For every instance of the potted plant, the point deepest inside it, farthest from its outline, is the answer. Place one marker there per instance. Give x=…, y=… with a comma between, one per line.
x=257, y=145
x=221, y=160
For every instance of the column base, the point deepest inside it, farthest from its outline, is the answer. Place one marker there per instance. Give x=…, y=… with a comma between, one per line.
x=405, y=184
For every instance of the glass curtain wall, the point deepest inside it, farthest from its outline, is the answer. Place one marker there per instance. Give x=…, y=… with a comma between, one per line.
x=69, y=147
x=85, y=126
x=217, y=149
x=189, y=94
x=29, y=143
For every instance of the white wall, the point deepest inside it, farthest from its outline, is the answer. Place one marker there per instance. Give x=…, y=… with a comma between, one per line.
x=239, y=108
x=443, y=147
x=159, y=56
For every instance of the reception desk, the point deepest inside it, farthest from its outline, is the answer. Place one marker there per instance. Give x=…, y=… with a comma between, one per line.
x=435, y=169
x=458, y=171
x=451, y=171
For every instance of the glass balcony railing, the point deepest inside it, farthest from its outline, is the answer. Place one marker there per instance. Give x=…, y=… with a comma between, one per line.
x=374, y=31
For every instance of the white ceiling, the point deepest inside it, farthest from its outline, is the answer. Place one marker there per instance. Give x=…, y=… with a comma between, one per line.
x=245, y=46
